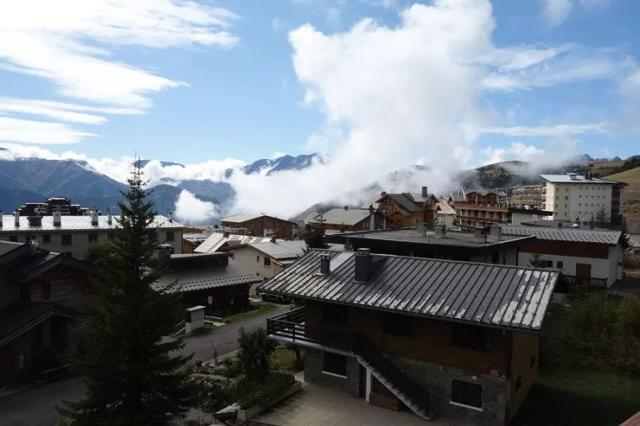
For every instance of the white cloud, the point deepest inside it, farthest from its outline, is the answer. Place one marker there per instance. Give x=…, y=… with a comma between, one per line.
x=401, y=94
x=555, y=12
x=555, y=130
x=70, y=43
x=524, y=68
x=190, y=209
x=537, y=158
x=32, y=131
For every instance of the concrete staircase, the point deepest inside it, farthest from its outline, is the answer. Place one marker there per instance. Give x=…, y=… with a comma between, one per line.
x=401, y=385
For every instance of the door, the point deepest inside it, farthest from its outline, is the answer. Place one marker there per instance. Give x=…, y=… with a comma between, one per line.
x=583, y=273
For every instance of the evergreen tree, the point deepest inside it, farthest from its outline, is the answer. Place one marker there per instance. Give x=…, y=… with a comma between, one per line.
x=314, y=234
x=132, y=373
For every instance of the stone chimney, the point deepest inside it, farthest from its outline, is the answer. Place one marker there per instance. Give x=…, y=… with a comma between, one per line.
x=57, y=219
x=495, y=232
x=170, y=217
x=372, y=218
x=109, y=217
x=364, y=265
x=325, y=264
x=479, y=236
x=94, y=217
x=16, y=218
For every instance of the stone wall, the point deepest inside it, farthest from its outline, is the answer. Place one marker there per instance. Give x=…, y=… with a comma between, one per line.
x=313, y=363
x=437, y=380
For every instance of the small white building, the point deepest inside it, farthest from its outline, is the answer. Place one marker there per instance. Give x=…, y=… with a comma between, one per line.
x=267, y=259
x=574, y=197
x=73, y=234
x=584, y=256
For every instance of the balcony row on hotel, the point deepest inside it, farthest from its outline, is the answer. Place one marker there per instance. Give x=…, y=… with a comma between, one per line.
x=439, y=337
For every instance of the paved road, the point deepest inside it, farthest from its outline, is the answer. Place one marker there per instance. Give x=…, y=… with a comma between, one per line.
x=36, y=406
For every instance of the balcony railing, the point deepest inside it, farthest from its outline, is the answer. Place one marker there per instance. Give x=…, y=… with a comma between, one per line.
x=291, y=327
x=571, y=283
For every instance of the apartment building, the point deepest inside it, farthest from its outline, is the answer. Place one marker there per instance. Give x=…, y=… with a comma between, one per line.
x=73, y=234
x=457, y=340
x=580, y=198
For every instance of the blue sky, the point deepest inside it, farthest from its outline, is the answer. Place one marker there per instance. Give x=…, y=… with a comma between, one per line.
x=236, y=93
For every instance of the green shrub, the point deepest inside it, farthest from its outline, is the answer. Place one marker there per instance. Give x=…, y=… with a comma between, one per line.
x=255, y=349
x=603, y=332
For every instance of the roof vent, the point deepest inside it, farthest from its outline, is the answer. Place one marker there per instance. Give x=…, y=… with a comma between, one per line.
x=425, y=192
x=109, y=217
x=170, y=217
x=325, y=264
x=16, y=219
x=364, y=265
x=57, y=219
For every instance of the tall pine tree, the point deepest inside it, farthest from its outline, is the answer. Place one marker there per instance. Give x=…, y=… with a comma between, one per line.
x=132, y=373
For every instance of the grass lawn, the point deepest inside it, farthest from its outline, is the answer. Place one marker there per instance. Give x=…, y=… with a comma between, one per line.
x=206, y=328
x=568, y=396
x=252, y=313
x=565, y=396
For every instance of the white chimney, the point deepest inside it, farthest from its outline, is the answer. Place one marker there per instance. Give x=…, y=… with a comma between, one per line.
x=16, y=219
x=57, y=218
x=109, y=217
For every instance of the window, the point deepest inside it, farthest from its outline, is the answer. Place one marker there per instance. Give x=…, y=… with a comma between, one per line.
x=335, y=314
x=465, y=393
x=335, y=364
x=13, y=238
x=469, y=336
x=46, y=291
x=397, y=325
x=559, y=264
x=169, y=236
x=93, y=237
x=267, y=261
x=46, y=239
x=546, y=264
x=65, y=239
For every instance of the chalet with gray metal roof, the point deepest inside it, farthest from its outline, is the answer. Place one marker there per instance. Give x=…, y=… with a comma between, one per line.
x=266, y=259
x=262, y=225
x=39, y=294
x=214, y=277
x=586, y=257
x=348, y=219
x=479, y=246
x=440, y=337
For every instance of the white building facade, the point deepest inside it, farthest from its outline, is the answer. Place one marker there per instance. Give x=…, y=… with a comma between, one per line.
x=578, y=198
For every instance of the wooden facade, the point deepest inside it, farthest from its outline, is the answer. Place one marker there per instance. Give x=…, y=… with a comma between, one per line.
x=403, y=211
x=265, y=226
